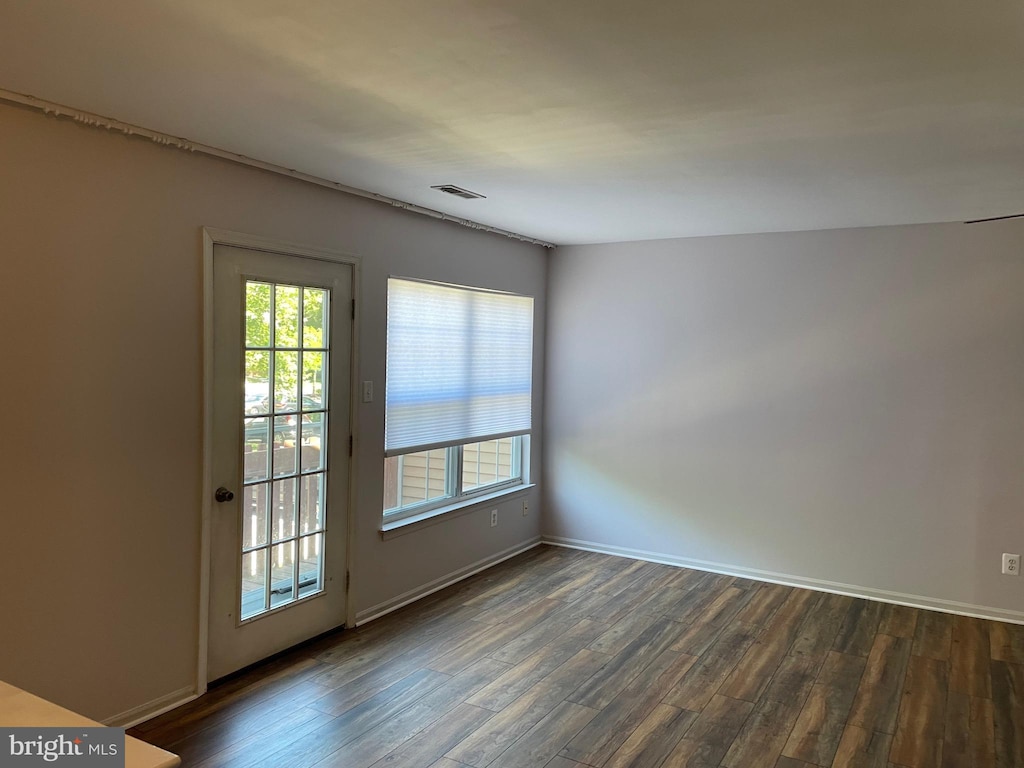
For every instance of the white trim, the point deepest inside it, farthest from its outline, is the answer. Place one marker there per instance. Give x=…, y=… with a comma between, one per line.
x=128, y=129
x=273, y=245
x=140, y=714
x=392, y=528
x=206, y=502
x=402, y=600
x=454, y=443
x=211, y=237
x=353, y=427
x=460, y=286
x=818, y=585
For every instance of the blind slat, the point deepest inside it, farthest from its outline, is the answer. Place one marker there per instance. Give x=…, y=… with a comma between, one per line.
x=459, y=365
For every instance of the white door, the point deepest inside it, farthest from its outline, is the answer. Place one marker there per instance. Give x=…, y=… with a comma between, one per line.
x=282, y=354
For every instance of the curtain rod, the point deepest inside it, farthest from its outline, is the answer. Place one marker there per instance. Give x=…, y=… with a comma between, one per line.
x=98, y=121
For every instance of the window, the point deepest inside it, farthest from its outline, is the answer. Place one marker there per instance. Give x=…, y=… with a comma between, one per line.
x=458, y=394
x=418, y=481
x=285, y=413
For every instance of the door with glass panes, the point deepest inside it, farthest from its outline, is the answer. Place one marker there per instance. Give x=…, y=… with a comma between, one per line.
x=280, y=465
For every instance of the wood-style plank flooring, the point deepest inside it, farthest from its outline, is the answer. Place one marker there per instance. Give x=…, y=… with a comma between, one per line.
x=565, y=659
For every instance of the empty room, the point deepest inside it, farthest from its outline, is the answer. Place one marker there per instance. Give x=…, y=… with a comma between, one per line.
x=508, y=384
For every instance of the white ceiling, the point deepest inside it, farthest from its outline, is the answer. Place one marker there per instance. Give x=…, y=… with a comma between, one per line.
x=581, y=120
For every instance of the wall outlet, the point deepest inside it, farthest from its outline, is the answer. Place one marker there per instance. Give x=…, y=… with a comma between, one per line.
x=1011, y=564
x=494, y=517
x=526, y=508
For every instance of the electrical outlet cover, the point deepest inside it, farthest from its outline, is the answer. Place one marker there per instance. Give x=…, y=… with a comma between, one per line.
x=1011, y=564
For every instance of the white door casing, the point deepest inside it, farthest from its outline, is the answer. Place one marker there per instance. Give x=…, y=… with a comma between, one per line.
x=278, y=547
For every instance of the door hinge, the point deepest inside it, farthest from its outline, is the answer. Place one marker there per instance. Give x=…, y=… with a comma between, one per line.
x=350, y=445
x=348, y=580
x=353, y=309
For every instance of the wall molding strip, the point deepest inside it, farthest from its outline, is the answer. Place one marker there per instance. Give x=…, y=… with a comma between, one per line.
x=386, y=607
x=99, y=121
x=167, y=702
x=817, y=585
x=149, y=710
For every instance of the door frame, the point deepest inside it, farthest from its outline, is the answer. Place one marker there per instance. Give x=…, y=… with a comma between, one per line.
x=213, y=237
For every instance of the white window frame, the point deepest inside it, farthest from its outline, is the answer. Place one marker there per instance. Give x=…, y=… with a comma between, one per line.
x=458, y=408
x=455, y=497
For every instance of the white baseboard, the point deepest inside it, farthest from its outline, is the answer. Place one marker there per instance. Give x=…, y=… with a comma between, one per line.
x=149, y=710
x=381, y=609
x=166, y=703
x=818, y=585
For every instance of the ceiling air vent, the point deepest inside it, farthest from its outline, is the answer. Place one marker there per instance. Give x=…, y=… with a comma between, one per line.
x=451, y=189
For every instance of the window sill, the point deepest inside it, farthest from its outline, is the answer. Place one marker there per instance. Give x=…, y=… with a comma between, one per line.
x=459, y=508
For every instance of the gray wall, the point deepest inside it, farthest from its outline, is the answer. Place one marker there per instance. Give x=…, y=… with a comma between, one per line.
x=844, y=405
x=100, y=463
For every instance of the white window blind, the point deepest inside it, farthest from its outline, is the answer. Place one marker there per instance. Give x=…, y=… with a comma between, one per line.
x=459, y=365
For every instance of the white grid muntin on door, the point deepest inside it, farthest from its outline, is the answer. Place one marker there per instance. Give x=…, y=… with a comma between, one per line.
x=284, y=444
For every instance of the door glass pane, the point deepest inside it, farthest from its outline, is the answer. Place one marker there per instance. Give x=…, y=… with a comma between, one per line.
x=284, y=445
x=286, y=381
x=314, y=318
x=312, y=493
x=314, y=380
x=282, y=578
x=254, y=582
x=284, y=452
x=255, y=450
x=286, y=316
x=255, y=501
x=257, y=381
x=257, y=314
x=310, y=564
x=283, y=510
x=312, y=441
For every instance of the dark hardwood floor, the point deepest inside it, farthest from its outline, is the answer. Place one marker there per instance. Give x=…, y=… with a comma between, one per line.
x=563, y=659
